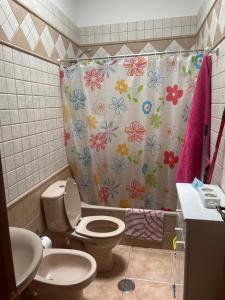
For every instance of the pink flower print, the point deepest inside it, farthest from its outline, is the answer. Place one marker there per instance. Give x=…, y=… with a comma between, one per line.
x=135, y=65
x=171, y=63
x=66, y=137
x=173, y=94
x=98, y=141
x=93, y=79
x=136, y=191
x=99, y=107
x=135, y=132
x=170, y=159
x=103, y=194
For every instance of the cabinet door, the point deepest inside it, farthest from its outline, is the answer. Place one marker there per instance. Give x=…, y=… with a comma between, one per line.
x=180, y=255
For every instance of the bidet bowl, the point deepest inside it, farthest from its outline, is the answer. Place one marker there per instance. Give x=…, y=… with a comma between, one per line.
x=66, y=268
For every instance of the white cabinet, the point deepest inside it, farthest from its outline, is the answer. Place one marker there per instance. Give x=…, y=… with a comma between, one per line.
x=200, y=254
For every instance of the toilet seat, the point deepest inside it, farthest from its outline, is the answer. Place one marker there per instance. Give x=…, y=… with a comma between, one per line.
x=93, y=226
x=99, y=222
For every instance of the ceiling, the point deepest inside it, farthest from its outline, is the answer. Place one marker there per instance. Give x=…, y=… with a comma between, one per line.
x=100, y=12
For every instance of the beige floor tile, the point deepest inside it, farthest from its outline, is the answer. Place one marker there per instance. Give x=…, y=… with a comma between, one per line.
x=151, y=264
x=147, y=290
x=102, y=290
x=105, y=284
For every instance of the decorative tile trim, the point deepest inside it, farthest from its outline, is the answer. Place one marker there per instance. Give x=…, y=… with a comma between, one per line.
x=24, y=29
x=212, y=32
x=204, y=10
x=48, y=12
x=142, y=47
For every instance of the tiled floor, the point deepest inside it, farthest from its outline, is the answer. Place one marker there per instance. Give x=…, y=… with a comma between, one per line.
x=150, y=269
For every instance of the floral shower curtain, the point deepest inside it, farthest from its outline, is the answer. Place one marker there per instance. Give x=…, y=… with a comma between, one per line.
x=124, y=123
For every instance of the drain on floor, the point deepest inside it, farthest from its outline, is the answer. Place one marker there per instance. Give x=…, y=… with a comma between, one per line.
x=126, y=285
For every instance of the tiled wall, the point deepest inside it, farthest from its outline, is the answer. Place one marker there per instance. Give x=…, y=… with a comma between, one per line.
x=52, y=15
x=218, y=105
x=213, y=29
x=203, y=11
x=212, y=34
x=28, y=212
x=143, y=30
x=31, y=132
x=31, y=33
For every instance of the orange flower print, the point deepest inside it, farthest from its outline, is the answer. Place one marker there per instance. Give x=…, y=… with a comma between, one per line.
x=169, y=131
x=136, y=191
x=93, y=79
x=170, y=159
x=91, y=122
x=121, y=86
x=66, y=113
x=135, y=65
x=135, y=132
x=122, y=149
x=173, y=94
x=123, y=203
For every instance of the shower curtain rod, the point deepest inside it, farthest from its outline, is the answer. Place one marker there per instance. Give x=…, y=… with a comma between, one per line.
x=75, y=60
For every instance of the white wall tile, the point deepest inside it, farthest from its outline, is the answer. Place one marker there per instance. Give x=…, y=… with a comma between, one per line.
x=30, y=97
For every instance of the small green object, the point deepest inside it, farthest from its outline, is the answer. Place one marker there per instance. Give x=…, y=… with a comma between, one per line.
x=175, y=243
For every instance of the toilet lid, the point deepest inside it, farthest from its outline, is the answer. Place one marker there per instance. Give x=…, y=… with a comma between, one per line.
x=72, y=202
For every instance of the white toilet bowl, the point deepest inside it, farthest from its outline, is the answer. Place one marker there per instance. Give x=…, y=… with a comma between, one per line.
x=99, y=234
x=63, y=274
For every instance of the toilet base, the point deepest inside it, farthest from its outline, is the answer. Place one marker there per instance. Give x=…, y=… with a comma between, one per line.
x=103, y=257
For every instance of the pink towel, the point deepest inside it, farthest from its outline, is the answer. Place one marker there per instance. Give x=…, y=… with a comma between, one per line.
x=144, y=224
x=190, y=157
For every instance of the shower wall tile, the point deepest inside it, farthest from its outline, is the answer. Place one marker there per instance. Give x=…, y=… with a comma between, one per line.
x=142, y=30
x=211, y=26
x=31, y=142
x=218, y=103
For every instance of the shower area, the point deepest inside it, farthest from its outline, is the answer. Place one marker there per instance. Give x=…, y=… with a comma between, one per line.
x=124, y=120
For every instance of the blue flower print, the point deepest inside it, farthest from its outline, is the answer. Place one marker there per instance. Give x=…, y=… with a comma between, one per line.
x=85, y=157
x=117, y=105
x=198, y=61
x=106, y=66
x=119, y=165
x=79, y=129
x=78, y=99
x=69, y=73
x=112, y=186
x=150, y=203
x=109, y=130
x=84, y=182
x=144, y=169
x=155, y=79
x=152, y=146
x=146, y=107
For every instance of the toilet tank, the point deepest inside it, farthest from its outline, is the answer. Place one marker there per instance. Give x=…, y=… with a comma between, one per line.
x=54, y=210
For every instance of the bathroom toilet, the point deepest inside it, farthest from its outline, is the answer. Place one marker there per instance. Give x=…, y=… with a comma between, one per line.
x=99, y=234
x=63, y=274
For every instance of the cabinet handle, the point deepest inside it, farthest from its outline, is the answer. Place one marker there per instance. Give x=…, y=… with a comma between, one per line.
x=178, y=229
x=180, y=242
